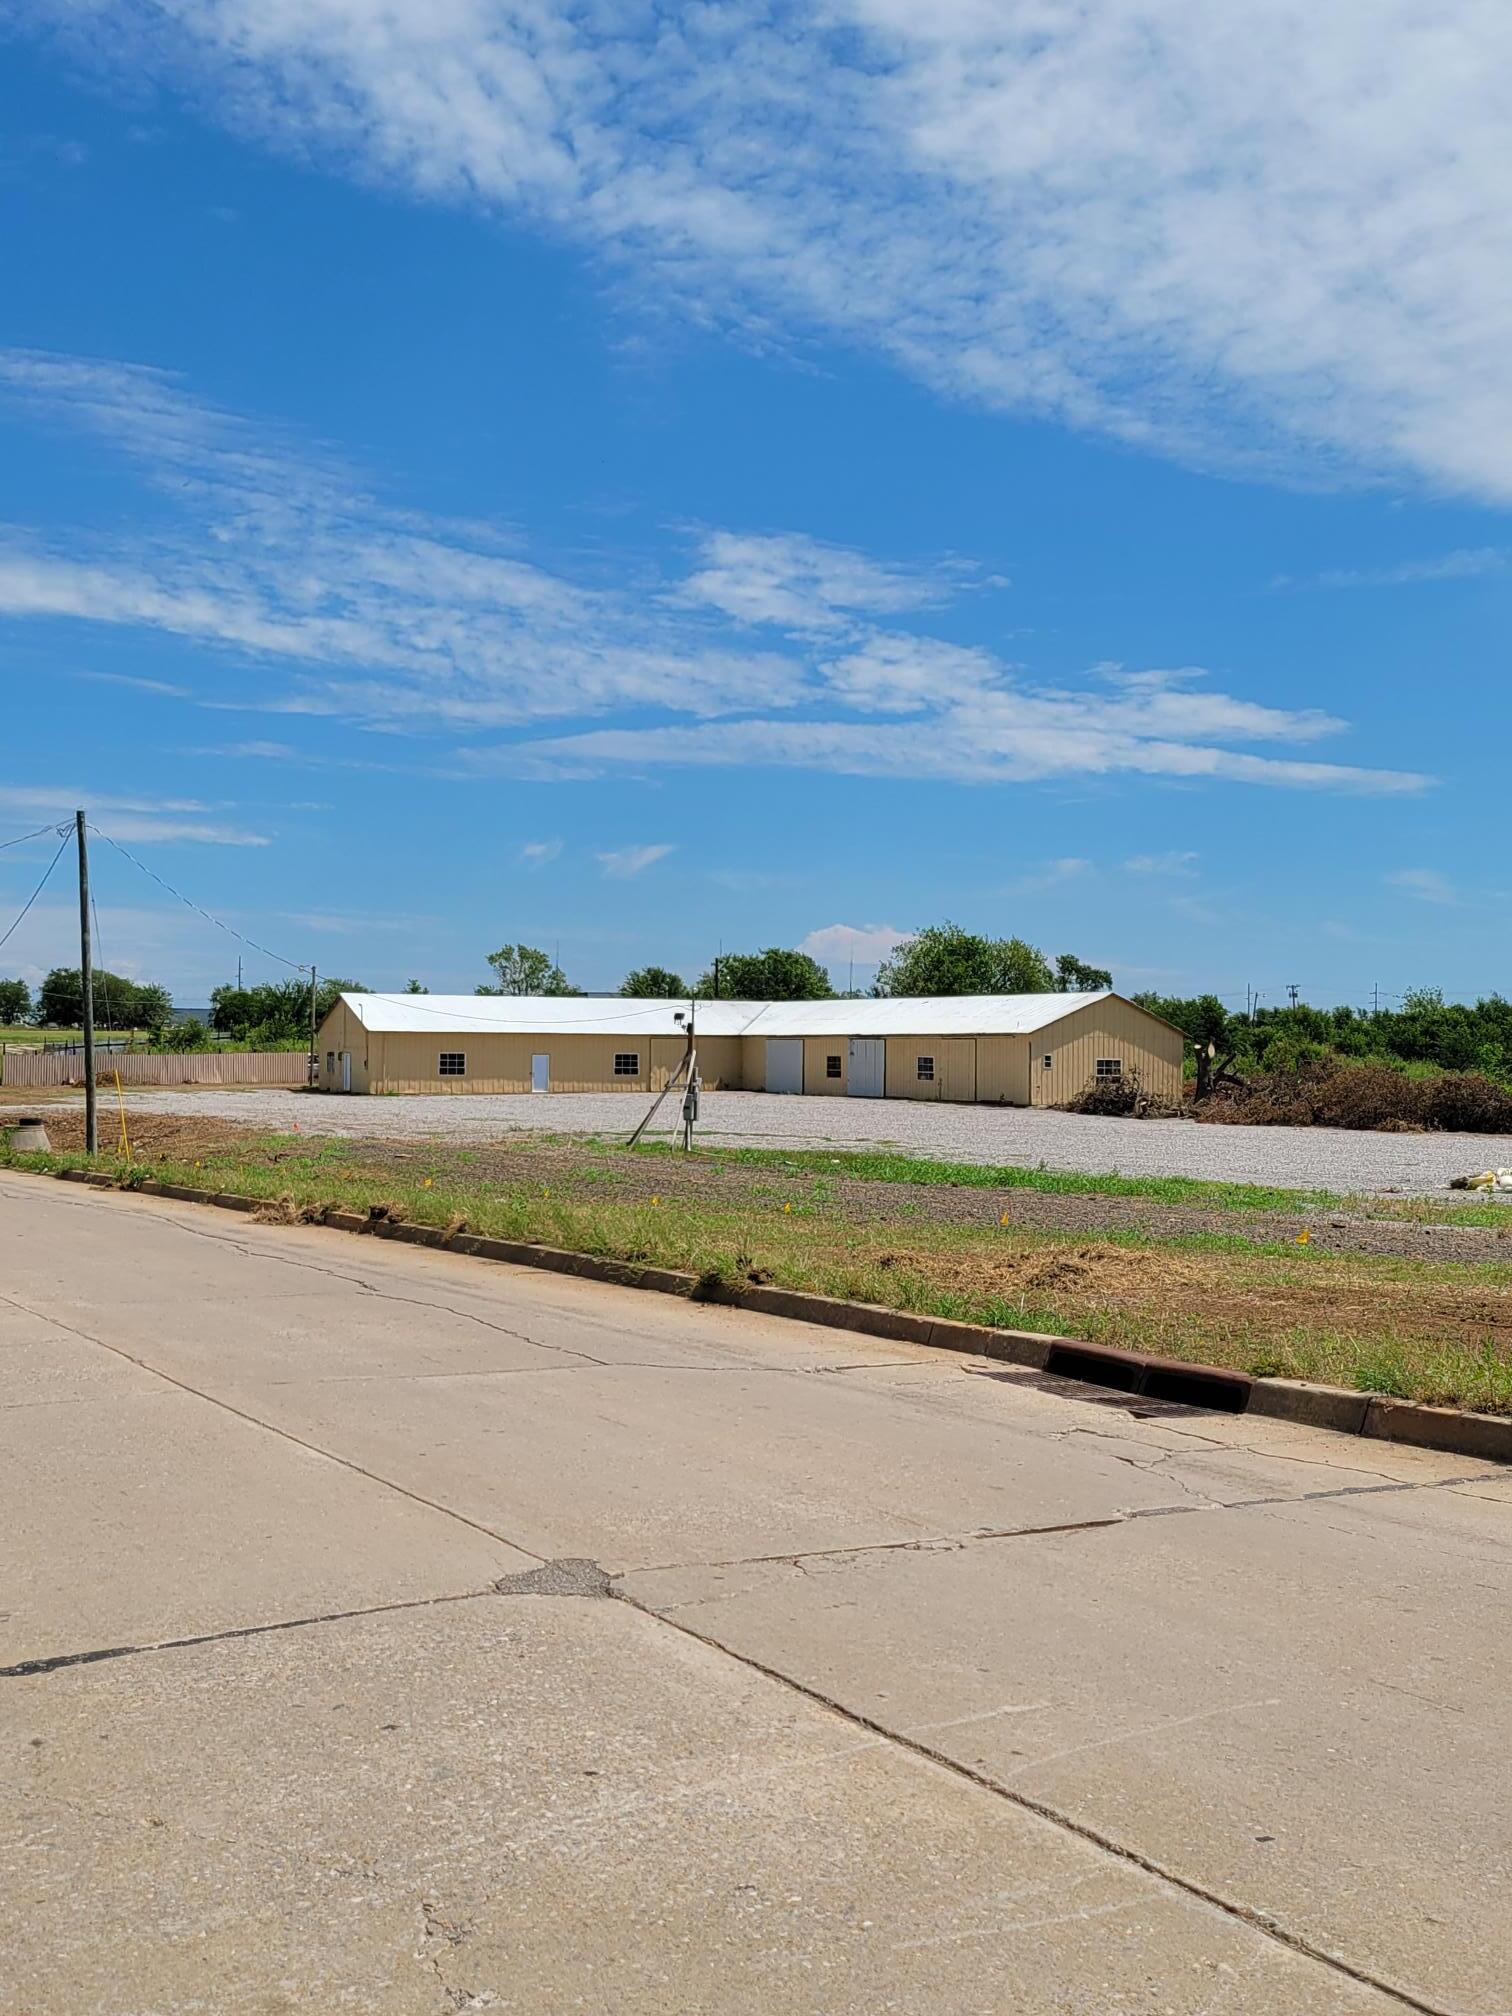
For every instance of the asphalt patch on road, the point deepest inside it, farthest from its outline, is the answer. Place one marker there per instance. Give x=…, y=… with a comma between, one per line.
x=569, y=1576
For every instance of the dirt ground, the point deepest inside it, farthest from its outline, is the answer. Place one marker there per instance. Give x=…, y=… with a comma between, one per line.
x=584, y=1169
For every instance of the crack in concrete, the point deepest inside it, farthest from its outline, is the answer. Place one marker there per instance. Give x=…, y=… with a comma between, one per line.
x=943, y=1543
x=29, y=1669
x=271, y=1428
x=1258, y=1921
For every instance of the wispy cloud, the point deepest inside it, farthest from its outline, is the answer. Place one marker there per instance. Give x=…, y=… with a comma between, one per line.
x=1156, y=218
x=1427, y=884
x=329, y=603
x=1050, y=875
x=627, y=861
x=799, y=584
x=1179, y=861
x=140, y=819
x=1470, y=563
x=539, y=853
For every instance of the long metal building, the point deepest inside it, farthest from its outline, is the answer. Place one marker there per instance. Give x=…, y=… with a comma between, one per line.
x=1004, y=1049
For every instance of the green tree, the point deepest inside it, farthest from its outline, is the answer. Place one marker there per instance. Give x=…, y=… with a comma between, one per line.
x=523, y=969
x=414, y=987
x=277, y=1012
x=773, y=975
x=654, y=983
x=1074, y=976
x=946, y=959
x=15, y=1003
x=119, y=1003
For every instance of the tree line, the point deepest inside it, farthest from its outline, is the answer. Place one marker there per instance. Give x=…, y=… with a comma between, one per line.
x=1427, y=1032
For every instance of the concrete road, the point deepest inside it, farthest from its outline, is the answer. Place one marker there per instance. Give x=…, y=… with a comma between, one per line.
x=386, y=1630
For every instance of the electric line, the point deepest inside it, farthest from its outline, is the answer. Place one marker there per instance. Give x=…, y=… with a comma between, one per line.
x=42, y=884
x=21, y=838
x=295, y=965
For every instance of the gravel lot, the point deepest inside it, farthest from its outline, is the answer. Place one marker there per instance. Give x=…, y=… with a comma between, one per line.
x=1308, y=1158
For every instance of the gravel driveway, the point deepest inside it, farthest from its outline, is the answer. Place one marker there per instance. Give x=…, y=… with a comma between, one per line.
x=1306, y=1158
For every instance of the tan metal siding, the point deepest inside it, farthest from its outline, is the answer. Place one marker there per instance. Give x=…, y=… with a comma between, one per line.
x=1003, y=1069
x=954, y=1068
x=1112, y=1028
x=816, y=1051
x=501, y=1062
x=341, y=1030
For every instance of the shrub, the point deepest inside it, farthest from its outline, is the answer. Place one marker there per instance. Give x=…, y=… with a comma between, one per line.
x=1331, y=1093
x=1122, y=1098
x=1464, y=1102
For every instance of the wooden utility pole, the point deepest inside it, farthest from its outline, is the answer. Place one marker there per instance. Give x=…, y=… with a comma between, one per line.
x=86, y=989
x=312, y=1025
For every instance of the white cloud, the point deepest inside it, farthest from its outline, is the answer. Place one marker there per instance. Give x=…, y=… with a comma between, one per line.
x=1260, y=231
x=348, y=608
x=1427, y=884
x=1175, y=861
x=799, y=584
x=868, y=944
x=1010, y=736
x=627, y=861
x=539, y=853
x=1469, y=563
x=139, y=819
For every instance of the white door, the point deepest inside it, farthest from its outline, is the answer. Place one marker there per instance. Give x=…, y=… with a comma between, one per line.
x=540, y=1074
x=868, y=1067
x=346, y=1070
x=784, y=1064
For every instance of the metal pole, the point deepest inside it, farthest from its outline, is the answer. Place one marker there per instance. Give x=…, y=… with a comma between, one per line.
x=86, y=990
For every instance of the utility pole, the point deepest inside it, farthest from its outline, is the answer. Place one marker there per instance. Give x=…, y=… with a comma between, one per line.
x=690, y=1096
x=312, y=1025
x=1293, y=991
x=1375, y=998
x=238, y=973
x=86, y=989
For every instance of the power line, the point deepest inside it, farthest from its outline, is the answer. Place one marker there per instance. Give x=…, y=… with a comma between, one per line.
x=22, y=838
x=295, y=965
x=43, y=883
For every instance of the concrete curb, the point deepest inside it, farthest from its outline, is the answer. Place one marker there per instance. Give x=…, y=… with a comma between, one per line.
x=1136, y=1373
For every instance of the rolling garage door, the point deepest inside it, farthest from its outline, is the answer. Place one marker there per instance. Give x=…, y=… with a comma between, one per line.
x=868, y=1058
x=784, y=1064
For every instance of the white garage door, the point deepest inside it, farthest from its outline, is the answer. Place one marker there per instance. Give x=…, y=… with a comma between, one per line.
x=868, y=1063
x=784, y=1070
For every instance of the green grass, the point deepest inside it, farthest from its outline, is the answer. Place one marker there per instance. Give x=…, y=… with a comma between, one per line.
x=1379, y=1325
x=882, y=1166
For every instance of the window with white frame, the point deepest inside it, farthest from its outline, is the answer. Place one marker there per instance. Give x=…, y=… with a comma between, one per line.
x=926, y=1070
x=452, y=1064
x=833, y=1068
x=627, y=1063
x=1110, y=1067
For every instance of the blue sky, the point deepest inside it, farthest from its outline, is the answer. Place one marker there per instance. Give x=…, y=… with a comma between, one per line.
x=634, y=480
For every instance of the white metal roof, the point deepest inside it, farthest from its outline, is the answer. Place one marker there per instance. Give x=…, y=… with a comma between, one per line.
x=568, y=1015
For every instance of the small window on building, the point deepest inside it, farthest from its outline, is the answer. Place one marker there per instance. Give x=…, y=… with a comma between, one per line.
x=627, y=1063
x=1049, y=1060
x=832, y=1067
x=452, y=1064
x=1110, y=1067
x=330, y=1062
x=926, y=1070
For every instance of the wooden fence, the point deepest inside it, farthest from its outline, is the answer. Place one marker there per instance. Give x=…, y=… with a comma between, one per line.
x=21, y=1067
